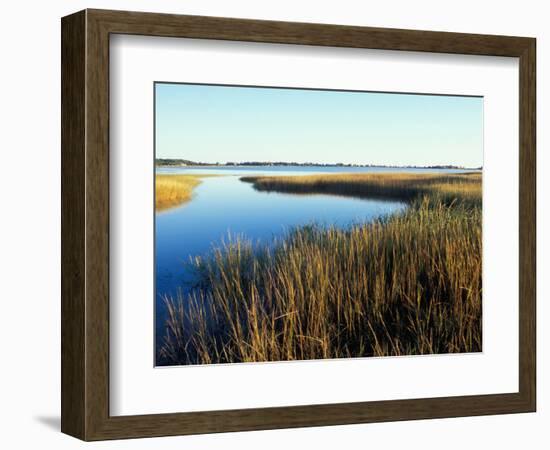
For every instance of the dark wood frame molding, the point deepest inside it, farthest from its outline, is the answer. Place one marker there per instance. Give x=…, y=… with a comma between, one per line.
x=85, y=224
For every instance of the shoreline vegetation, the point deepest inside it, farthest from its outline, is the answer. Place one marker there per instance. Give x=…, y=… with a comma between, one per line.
x=172, y=190
x=390, y=186
x=406, y=284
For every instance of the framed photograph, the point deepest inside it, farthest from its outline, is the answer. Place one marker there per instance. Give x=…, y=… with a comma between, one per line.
x=272, y=224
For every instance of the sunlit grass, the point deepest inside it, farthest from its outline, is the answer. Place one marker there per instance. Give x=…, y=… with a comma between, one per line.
x=407, y=284
x=172, y=190
x=398, y=186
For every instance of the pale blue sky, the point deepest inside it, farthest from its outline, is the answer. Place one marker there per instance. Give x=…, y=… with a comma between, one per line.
x=225, y=123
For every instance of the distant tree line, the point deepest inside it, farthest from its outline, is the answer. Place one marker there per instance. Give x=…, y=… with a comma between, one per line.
x=187, y=162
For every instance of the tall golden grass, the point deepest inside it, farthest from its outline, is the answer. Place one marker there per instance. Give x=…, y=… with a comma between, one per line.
x=407, y=284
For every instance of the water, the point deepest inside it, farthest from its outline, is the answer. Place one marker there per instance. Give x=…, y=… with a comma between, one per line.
x=224, y=206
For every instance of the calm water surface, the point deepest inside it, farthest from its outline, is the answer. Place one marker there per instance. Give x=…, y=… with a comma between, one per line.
x=225, y=206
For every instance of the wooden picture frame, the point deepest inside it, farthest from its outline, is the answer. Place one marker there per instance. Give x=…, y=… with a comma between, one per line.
x=85, y=224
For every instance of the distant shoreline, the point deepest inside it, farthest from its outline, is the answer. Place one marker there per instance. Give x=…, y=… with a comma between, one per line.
x=192, y=164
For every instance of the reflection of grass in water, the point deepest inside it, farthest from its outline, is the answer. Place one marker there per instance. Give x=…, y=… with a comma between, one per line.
x=405, y=285
x=173, y=190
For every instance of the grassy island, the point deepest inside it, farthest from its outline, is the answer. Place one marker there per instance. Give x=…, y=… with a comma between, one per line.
x=391, y=186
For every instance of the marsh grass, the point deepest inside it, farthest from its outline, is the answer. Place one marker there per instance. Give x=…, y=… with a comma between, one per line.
x=172, y=190
x=407, y=284
x=391, y=186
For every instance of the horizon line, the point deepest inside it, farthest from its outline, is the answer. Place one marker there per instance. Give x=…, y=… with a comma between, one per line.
x=310, y=163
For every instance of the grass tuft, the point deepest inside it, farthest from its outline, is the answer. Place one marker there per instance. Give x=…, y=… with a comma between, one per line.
x=172, y=190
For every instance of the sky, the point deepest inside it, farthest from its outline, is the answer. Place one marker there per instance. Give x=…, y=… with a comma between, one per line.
x=212, y=123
